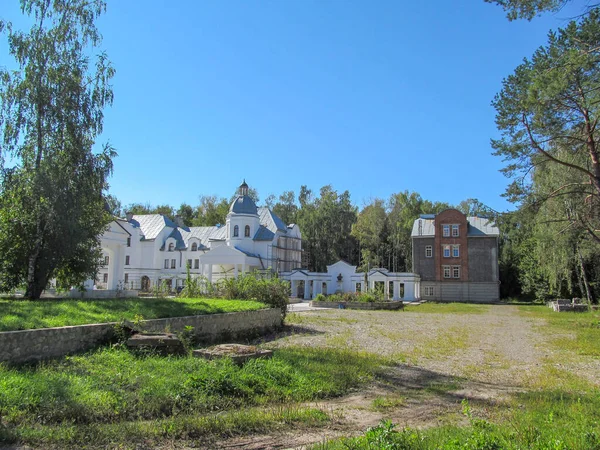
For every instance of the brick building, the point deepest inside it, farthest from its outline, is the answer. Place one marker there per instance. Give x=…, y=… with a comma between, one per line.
x=456, y=257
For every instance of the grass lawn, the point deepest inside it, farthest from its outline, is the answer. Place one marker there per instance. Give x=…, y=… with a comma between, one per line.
x=25, y=314
x=111, y=395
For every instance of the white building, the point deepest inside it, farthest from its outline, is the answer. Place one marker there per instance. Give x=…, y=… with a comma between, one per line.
x=342, y=277
x=144, y=250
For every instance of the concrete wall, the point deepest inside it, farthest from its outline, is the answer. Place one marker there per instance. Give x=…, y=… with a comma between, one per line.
x=34, y=345
x=421, y=264
x=483, y=259
x=462, y=292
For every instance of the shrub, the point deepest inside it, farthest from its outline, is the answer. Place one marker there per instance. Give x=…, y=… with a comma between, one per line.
x=350, y=297
x=320, y=298
x=367, y=297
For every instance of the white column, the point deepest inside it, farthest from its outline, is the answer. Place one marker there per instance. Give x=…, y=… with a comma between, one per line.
x=315, y=287
x=409, y=290
x=116, y=274
x=244, y=268
x=235, y=270
x=293, y=287
x=387, y=289
x=306, y=289
x=209, y=274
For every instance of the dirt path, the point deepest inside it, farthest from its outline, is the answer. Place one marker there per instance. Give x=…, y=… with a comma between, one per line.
x=442, y=359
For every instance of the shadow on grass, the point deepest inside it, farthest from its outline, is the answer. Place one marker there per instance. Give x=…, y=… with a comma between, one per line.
x=285, y=331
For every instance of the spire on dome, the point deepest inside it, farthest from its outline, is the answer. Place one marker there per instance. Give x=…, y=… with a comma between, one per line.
x=244, y=188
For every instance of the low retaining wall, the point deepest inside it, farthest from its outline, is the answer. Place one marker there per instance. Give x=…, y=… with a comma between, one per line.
x=35, y=345
x=359, y=305
x=102, y=293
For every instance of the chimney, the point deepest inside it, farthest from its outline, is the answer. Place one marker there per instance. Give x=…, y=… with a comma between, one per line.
x=179, y=221
x=129, y=216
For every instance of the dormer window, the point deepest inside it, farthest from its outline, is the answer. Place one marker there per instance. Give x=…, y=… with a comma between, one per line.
x=247, y=231
x=236, y=231
x=194, y=247
x=171, y=247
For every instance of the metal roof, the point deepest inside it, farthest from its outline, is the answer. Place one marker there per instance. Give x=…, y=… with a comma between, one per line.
x=151, y=224
x=271, y=220
x=423, y=227
x=243, y=204
x=478, y=226
x=482, y=226
x=263, y=234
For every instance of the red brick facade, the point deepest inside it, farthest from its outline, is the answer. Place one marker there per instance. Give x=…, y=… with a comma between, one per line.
x=451, y=217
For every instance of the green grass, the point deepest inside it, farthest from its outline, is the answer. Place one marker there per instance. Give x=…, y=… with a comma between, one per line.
x=111, y=391
x=24, y=314
x=578, y=333
x=447, y=308
x=542, y=420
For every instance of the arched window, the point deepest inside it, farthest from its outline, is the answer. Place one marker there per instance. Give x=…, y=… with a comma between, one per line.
x=236, y=231
x=171, y=247
x=194, y=247
x=247, y=231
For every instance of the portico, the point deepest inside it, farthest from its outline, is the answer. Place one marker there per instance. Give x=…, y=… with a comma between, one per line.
x=342, y=277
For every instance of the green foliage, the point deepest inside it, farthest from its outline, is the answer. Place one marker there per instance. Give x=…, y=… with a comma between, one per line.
x=50, y=115
x=528, y=9
x=320, y=298
x=266, y=288
x=22, y=315
x=161, y=290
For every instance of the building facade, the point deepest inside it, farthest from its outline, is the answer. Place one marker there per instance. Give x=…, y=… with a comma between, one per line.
x=342, y=277
x=154, y=249
x=456, y=257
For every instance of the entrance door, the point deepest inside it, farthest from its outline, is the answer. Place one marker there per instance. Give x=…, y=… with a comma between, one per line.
x=145, y=283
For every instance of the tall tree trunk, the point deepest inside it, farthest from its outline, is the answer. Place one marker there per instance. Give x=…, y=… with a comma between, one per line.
x=588, y=291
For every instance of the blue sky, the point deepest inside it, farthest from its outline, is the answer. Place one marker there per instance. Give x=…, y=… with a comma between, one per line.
x=374, y=97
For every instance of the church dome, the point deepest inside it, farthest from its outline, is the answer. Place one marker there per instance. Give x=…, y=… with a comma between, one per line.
x=243, y=205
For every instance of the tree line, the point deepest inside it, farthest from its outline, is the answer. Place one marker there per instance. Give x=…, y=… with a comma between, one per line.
x=54, y=204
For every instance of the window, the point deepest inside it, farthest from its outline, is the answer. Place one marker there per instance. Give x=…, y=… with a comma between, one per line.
x=454, y=230
x=236, y=231
x=166, y=263
x=171, y=247
x=446, y=251
x=428, y=251
x=105, y=278
x=446, y=271
x=128, y=242
x=455, y=251
x=126, y=278
x=189, y=263
x=428, y=291
x=173, y=264
x=358, y=287
x=455, y=271
x=194, y=247
x=247, y=231
x=445, y=230
x=196, y=264
x=127, y=260
x=106, y=259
